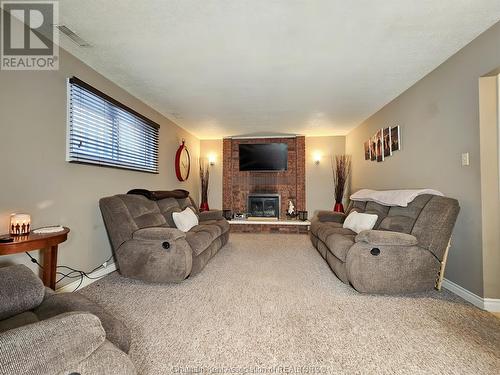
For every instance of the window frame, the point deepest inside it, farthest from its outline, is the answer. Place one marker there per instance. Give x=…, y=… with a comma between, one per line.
x=115, y=104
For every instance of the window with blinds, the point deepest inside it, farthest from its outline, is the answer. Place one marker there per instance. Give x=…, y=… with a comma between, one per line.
x=105, y=132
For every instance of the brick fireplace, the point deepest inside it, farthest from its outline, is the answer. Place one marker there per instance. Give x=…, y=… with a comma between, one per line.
x=287, y=185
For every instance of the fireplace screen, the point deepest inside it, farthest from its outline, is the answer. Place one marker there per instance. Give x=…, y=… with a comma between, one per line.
x=264, y=205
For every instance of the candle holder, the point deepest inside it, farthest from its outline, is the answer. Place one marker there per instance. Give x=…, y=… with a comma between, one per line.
x=303, y=215
x=20, y=224
x=228, y=214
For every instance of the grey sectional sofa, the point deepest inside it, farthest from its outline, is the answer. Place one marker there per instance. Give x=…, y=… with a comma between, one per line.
x=405, y=252
x=149, y=247
x=46, y=333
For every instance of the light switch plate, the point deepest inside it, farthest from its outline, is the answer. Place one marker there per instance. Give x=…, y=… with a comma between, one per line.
x=465, y=159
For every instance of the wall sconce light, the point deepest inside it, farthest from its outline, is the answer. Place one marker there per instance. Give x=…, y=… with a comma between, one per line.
x=317, y=157
x=211, y=159
x=20, y=224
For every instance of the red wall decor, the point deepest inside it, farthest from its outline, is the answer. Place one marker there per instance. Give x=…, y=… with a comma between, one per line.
x=182, y=162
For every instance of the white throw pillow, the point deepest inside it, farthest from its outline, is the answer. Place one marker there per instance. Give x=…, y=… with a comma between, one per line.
x=185, y=220
x=358, y=222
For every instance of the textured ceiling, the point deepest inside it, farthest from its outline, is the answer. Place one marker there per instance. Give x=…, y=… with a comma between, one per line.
x=313, y=67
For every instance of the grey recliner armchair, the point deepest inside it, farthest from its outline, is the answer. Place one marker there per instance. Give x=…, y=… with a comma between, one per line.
x=46, y=333
x=405, y=252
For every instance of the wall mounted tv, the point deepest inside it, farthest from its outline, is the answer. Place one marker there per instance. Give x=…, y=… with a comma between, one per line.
x=265, y=157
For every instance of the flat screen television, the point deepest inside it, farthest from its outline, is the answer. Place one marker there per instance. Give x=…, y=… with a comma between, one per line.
x=263, y=157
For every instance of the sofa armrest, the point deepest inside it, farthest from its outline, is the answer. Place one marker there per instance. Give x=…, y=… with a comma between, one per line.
x=211, y=215
x=330, y=216
x=155, y=260
x=381, y=237
x=116, y=331
x=107, y=359
x=391, y=269
x=20, y=290
x=50, y=346
x=158, y=233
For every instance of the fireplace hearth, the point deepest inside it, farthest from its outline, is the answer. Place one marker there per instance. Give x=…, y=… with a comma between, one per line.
x=264, y=205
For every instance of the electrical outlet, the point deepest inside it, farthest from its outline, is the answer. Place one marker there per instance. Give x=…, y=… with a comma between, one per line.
x=465, y=159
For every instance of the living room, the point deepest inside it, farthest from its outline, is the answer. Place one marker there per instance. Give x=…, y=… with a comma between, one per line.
x=265, y=186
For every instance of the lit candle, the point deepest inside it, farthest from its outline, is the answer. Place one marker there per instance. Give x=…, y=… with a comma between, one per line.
x=20, y=224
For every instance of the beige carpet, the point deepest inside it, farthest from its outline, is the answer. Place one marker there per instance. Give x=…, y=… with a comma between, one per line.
x=270, y=304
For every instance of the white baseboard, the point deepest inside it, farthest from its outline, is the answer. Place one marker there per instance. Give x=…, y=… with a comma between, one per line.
x=492, y=304
x=488, y=304
x=100, y=273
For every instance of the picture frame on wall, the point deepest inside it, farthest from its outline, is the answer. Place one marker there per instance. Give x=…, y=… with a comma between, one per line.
x=382, y=144
x=387, y=141
x=367, y=150
x=379, y=139
x=373, y=149
x=395, y=138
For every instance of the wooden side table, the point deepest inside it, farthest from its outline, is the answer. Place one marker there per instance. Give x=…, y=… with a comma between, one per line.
x=46, y=243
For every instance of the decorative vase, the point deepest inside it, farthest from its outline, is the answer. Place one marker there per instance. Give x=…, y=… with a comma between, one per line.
x=204, y=178
x=339, y=207
x=204, y=206
x=204, y=198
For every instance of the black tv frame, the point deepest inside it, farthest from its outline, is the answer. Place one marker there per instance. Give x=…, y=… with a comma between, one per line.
x=285, y=151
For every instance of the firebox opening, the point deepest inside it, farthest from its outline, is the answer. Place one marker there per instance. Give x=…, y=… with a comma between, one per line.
x=264, y=205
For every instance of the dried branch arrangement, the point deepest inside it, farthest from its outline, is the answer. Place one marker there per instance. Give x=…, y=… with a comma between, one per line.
x=341, y=169
x=204, y=178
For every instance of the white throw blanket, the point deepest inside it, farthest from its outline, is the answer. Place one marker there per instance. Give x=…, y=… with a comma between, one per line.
x=391, y=197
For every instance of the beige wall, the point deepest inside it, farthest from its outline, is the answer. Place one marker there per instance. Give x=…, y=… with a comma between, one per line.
x=319, y=183
x=319, y=178
x=214, y=148
x=439, y=119
x=36, y=178
x=490, y=183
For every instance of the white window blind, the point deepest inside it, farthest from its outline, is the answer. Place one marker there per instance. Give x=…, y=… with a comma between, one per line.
x=105, y=132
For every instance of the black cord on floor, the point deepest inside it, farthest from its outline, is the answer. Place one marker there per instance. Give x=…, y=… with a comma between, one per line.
x=79, y=273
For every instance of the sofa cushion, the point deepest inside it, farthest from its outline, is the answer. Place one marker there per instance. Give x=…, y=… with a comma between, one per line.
x=326, y=231
x=376, y=209
x=435, y=223
x=339, y=245
x=144, y=212
x=18, y=320
x=185, y=220
x=167, y=206
x=402, y=224
x=50, y=346
x=222, y=224
x=20, y=290
x=201, y=237
x=369, y=208
x=384, y=237
x=402, y=219
x=359, y=222
x=211, y=215
x=337, y=217
x=158, y=234
x=116, y=331
x=317, y=225
x=187, y=202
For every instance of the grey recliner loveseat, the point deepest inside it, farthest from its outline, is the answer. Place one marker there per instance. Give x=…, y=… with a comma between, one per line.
x=405, y=252
x=46, y=333
x=146, y=243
